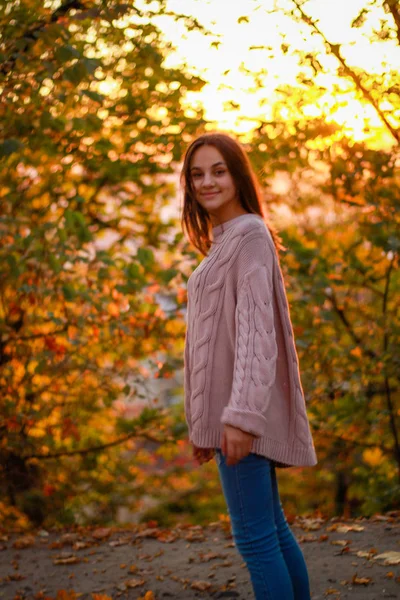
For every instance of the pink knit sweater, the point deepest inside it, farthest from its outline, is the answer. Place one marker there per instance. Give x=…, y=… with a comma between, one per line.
x=240, y=363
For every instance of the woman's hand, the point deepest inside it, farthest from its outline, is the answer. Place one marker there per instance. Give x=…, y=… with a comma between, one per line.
x=236, y=444
x=203, y=455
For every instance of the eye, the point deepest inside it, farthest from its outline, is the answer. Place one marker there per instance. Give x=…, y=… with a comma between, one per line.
x=196, y=175
x=220, y=172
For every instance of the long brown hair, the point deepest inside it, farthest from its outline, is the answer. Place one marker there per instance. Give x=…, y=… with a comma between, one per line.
x=195, y=219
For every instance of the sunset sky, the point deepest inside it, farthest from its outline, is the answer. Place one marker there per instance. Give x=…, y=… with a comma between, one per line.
x=229, y=68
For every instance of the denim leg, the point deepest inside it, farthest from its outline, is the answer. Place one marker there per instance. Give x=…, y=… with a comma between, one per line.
x=247, y=487
x=290, y=548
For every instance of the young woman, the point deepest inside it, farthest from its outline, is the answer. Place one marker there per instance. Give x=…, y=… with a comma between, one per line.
x=244, y=402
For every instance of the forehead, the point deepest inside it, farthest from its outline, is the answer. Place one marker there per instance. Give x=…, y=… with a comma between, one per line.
x=205, y=157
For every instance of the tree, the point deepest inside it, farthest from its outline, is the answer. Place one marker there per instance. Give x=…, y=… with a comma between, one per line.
x=342, y=261
x=92, y=129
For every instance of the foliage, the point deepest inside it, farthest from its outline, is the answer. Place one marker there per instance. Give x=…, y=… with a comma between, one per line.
x=342, y=272
x=92, y=129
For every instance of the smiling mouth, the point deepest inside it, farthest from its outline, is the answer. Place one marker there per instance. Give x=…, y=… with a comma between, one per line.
x=209, y=194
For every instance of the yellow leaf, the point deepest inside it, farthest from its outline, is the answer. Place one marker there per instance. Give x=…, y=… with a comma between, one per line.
x=18, y=370
x=373, y=456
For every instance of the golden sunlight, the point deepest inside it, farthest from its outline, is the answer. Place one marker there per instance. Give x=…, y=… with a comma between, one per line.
x=254, y=50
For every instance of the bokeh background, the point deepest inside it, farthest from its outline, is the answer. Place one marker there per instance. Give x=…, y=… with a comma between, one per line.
x=98, y=101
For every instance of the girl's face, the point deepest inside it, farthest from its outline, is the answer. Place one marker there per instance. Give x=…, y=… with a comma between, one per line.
x=213, y=185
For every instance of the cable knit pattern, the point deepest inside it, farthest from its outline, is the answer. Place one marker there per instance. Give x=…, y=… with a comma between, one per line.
x=254, y=371
x=240, y=362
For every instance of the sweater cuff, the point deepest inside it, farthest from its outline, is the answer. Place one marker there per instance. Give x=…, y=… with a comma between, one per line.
x=245, y=420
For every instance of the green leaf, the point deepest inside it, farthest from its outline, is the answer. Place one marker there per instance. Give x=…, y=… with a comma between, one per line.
x=13, y=262
x=68, y=291
x=65, y=53
x=76, y=73
x=169, y=274
x=105, y=258
x=55, y=264
x=145, y=257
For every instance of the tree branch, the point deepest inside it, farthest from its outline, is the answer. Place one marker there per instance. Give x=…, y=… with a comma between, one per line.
x=391, y=6
x=31, y=35
x=342, y=316
x=335, y=50
x=117, y=442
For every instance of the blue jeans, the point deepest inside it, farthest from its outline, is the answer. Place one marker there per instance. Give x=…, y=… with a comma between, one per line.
x=260, y=531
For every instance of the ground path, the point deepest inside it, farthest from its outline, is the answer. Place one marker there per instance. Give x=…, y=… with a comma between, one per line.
x=347, y=559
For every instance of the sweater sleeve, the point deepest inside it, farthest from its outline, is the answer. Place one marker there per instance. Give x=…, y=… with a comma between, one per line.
x=186, y=385
x=255, y=354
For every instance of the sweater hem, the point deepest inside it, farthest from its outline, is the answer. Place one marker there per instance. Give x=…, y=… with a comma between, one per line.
x=286, y=454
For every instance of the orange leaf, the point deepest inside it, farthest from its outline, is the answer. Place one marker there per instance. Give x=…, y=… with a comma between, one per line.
x=361, y=580
x=113, y=309
x=64, y=595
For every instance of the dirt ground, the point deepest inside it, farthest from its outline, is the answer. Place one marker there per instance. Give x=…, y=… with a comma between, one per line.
x=346, y=559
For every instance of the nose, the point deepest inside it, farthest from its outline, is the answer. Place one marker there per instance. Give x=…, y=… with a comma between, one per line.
x=208, y=180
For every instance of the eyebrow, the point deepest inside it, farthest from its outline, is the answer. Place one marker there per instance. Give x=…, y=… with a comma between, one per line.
x=214, y=165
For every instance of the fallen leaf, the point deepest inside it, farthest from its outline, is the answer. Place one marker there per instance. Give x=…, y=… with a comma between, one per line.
x=121, y=542
x=26, y=541
x=202, y=586
x=210, y=555
x=65, y=595
x=340, y=542
x=69, y=538
x=132, y=583
x=363, y=554
x=346, y=528
x=307, y=538
x=15, y=577
x=361, y=580
x=151, y=532
x=343, y=528
x=167, y=537
x=194, y=536
x=331, y=591
x=81, y=545
x=71, y=560
x=101, y=533
x=389, y=558
x=311, y=524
